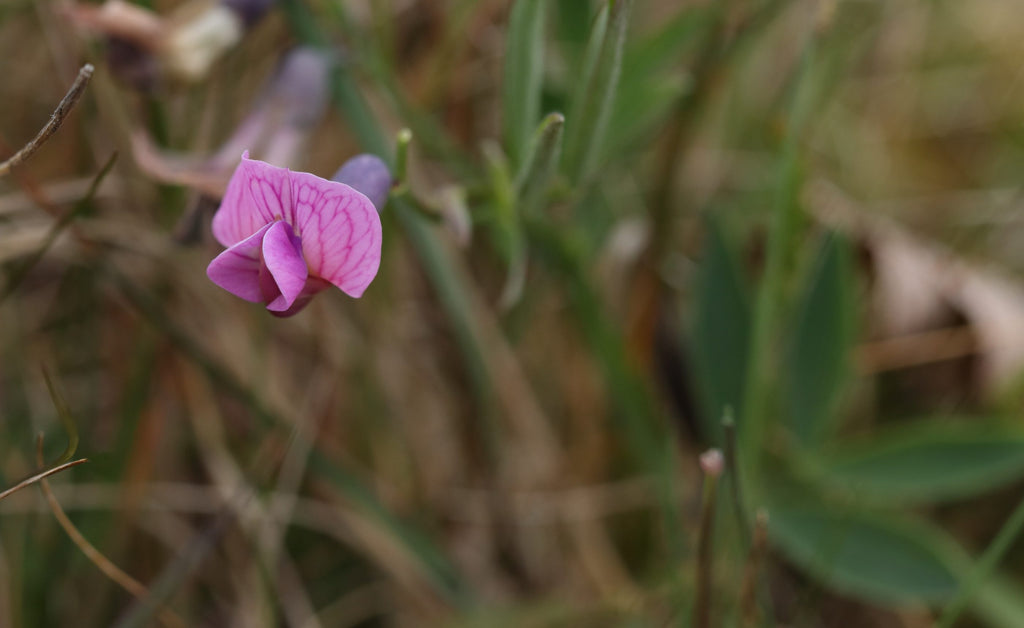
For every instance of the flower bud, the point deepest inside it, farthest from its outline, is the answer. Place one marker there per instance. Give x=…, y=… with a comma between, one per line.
x=712, y=462
x=369, y=175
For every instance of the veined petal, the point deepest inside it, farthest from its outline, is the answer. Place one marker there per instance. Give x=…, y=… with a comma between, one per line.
x=237, y=269
x=257, y=195
x=282, y=258
x=340, y=231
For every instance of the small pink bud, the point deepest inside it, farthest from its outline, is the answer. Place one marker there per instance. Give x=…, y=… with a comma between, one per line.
x=712, y=462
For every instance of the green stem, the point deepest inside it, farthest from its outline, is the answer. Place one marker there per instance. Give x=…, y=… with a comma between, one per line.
x=705, y=554
x=984, y=567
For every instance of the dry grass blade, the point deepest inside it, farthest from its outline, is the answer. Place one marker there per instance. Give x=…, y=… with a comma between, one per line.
x=104, y=564
x=40, y=476
x=56, y=119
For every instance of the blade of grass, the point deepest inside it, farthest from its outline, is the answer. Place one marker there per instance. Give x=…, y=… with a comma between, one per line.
x=771, y=292
x=62, y=463
x=541, y=164
x=592, y=104
x=524, y=70
x=985, y=567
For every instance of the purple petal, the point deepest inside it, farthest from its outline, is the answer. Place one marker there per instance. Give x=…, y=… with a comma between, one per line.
x=340, y=231
x=257, y=195
x=282, y=259
x=237, y=269
x=367, y=174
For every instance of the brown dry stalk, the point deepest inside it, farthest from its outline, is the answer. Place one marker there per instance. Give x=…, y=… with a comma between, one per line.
x=40, y=476
x=56, y=119
x=104, y=564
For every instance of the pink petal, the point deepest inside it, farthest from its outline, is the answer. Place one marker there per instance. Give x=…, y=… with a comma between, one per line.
x=282, y=259
x=257, y=194
x=340, y=231
x=237, y=269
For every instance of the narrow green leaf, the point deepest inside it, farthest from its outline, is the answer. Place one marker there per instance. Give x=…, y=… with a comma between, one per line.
x=655, y=82
x=985, y=566
x=528, y=192
x=768, y=317
x=927, y=462
x=592, y=103
x=999, y=603
x=573, y=17
x=822, y=340
x=879, y=558
x=504, y=224
x=721, y=333
x=524, y=70
x=541, y=163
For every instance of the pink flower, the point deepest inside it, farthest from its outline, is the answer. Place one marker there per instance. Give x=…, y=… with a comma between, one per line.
x=290, y=235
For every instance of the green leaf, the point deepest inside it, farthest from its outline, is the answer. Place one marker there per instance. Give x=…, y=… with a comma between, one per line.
x=654, y=80
x=823, y=336
x=929, y=461
x=882, y=559
x=541, y=163
x=524, y=68
x=721, y=332
x=592, y=103
x=999, y=603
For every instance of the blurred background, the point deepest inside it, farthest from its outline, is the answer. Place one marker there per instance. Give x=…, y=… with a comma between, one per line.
x=623, y=233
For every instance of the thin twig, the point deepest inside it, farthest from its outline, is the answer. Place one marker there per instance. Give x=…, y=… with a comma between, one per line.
x=104, y=564
x=39, y=476
x=56, y=119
